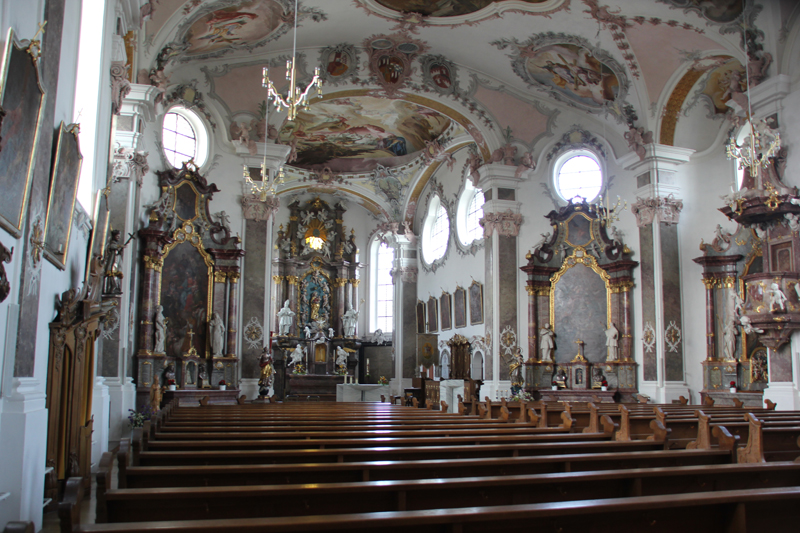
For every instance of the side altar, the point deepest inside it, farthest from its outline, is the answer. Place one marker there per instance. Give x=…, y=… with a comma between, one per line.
x=315, y=278
x=188, y=311
x=580, y=319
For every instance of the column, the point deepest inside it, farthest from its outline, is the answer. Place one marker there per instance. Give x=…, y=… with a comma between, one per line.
x=657, y=214
x=233, y=314
x=501, y=221
x=404, y=342
x=267, y=287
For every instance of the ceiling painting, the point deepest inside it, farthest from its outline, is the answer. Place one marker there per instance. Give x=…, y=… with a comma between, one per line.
x=446, y=8
x=569, y=69
x=390, y=59
x=719, y=11
x=358, y=133
x=719, y=80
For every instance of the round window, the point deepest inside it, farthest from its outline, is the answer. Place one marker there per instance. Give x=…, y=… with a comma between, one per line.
x=184, y=138
x=578, y=173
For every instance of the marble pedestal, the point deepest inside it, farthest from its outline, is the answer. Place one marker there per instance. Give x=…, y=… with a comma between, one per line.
x=351, y=392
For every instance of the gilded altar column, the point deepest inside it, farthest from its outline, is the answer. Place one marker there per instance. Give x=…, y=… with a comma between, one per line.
x=711, y=324
x=233, y=313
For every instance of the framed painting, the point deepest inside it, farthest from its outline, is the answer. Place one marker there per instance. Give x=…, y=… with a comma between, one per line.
x=433, y=318
x=460, y=307
x=21, y=111
x=475, y=303
x=445, y=311
x=420, y=316
x=66, y=170
x=427, y=350
x=186, y=296
x=100, y=220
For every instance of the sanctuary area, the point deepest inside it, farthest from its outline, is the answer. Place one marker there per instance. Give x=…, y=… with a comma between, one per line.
x=284, y=210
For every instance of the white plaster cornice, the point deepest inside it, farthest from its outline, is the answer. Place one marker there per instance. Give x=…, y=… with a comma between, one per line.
x=662, y=156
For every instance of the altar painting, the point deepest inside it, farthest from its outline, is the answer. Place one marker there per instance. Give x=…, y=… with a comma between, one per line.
x=574, y=72
x=185, y=281
x=315, y=299
x=342, y=132
x=231, y=27
x=579, y=309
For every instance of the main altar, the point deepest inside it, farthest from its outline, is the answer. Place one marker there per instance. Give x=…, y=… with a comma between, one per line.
x=315, y=277
x=580, y=319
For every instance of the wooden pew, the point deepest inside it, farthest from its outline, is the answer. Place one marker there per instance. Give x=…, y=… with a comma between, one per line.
x=724, y=511
x=187, y=503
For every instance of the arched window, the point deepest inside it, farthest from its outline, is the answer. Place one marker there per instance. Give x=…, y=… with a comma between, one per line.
x=436, y=232
x=578, y=173
x=469, y=214
x=184, y=137
x=382, y=288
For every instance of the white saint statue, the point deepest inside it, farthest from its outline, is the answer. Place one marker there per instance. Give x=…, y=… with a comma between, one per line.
x=161, y=330
x=341, y=357
x=297, y=356
x=729, y=341
x=217, y=330
x=612, y=335
x=776, y=298
x=747, y=326
x=349, y=321
x=285, y=318
x=546, y=343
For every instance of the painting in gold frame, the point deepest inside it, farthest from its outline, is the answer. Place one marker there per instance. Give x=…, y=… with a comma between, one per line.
x=445, y=311
x=66, y=170
x=460, y=307
x=21, y=109
x=475, y=303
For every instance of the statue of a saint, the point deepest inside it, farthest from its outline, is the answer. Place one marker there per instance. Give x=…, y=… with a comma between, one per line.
x=516, y=367
x=155, y=396
x=612, y=335
x=160, y=330
x=349, y=321
x=285, y=318
x=776, y=298
x=169, y=372
x=202, y=377
x=217, y=330
x=113, y=257
x=267, y=372
x=729, y=340
x=341, y=357
x=546, y=343
x=298, y=355
x=315, y=309
x=748, y=327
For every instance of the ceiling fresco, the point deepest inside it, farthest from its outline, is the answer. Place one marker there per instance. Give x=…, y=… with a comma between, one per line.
x=568, y=68
x=358, y=133
x=720, y=11
x=445, y=8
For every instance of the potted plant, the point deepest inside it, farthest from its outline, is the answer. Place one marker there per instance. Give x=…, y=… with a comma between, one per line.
x=138, y=418
x=733, y=386
x=604, y=385
x=171, y=384
x=223, y=384
x=555, y=386
x=300, y=370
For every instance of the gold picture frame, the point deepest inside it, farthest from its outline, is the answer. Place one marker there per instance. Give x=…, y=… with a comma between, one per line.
x=64, y=176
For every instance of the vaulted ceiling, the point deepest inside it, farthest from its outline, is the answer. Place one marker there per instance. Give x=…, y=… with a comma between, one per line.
x=401, y=75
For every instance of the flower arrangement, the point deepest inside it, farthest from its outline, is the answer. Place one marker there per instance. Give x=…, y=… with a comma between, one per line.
x=383, y=381
x=604, y=383
x=138, y=418
x=341, y=370
x=222, y=382
x=300, y=370
x=733, y=384
x=170, y=382
x=522, y=396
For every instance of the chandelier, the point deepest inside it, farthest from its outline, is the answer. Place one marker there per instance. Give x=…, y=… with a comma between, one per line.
x=608, y=214
x=268, y=184
x=295, y=98
x=757, y=149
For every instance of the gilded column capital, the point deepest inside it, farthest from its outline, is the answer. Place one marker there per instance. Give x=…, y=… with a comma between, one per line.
x=339, y=282
x=355, y=282
x=153, y=263
x=293, y=280
x=621, y=286
x=219, y=276
x=277, y=279
x=233, y=277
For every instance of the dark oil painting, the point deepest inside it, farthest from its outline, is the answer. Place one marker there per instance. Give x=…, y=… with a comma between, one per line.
x=184, y=295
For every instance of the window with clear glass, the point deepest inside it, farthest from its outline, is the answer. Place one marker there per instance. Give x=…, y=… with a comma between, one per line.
x=578, y=173
x=179, y=139
x=474, y=215
x=435, y=239
x=384, y=289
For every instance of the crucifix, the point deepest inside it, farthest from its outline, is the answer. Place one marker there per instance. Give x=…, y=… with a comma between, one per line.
x=580, y=344
x=190, y=334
